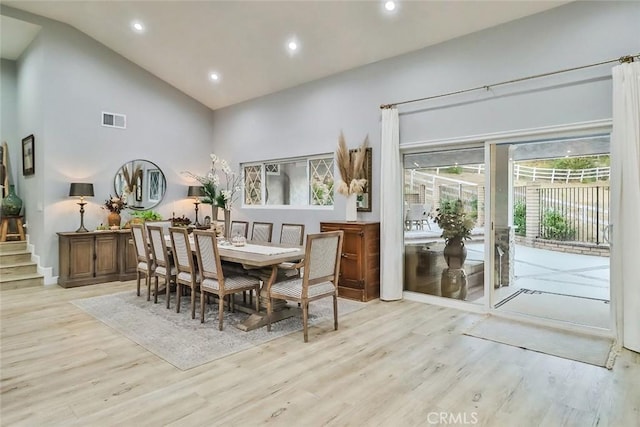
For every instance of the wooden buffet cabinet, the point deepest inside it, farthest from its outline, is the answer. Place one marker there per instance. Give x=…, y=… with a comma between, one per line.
x=360, y=264
x=95, y=257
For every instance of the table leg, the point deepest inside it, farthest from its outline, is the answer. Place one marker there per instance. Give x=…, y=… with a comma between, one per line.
x=280, y=308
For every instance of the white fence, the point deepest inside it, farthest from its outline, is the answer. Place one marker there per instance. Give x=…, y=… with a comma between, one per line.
x=527, y=173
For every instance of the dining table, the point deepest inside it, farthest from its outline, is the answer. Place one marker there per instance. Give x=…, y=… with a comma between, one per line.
x=262, y=260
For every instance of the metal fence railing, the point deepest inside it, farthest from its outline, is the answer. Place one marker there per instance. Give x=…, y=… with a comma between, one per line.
x=572, y=213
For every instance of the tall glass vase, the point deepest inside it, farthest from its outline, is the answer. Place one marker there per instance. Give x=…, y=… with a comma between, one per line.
x=227, y=223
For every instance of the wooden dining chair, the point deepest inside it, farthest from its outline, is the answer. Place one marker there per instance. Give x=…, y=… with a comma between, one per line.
x=239, y=228
x=261, y=232
x=213, y=278
x=144, y=264
x=186, y=272
x=165, y=267
x=292, y=234
x=319, y=280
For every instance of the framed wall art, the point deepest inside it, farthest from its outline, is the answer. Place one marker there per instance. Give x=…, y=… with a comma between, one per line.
x=28, y=156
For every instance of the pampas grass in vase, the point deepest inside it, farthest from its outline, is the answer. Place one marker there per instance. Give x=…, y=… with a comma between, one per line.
x=350, y=166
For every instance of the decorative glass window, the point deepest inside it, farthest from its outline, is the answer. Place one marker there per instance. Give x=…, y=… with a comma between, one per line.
x=253, y=185
x=290, y=182
x=154, y=185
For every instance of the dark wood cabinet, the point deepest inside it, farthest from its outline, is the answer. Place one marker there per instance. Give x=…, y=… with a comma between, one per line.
x=95, y=257
x=360, y=263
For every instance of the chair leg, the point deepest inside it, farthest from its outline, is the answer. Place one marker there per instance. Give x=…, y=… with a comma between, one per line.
x=305, y=320
x=269, y=313
x=138, y=281
x=178, y=293
x=147, y=281
x=202, y=306
x=335, y=312
x=167, y=283
x=220, y=310
x=155, y=297
x=193, y=302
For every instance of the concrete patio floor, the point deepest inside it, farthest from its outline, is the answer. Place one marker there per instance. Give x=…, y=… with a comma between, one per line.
x=575, y=275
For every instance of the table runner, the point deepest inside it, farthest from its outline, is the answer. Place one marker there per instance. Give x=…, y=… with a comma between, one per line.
x=259, y=249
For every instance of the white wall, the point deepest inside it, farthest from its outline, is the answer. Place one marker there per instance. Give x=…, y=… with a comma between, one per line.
x=65, y=81
x=307, y=119
x=8, y=118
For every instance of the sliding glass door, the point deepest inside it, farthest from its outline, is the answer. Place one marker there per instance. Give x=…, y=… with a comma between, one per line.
x=550, y=223
x=444, y=211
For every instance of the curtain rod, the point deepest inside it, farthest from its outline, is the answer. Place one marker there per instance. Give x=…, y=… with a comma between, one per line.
x=622, y=59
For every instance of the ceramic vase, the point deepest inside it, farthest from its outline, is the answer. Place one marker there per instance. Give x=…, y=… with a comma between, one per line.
x=114, y=219
x=455, y=253
x=351, y=213
x=11, y=204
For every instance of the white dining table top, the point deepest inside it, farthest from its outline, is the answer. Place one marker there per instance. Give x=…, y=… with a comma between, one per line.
x=254, y=254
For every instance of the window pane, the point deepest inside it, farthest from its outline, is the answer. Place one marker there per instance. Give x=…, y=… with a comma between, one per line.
x=321, y=182
x=253, y=185
x=286, y=183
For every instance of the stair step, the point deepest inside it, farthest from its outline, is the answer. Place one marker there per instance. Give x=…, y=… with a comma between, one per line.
x=13, y=246
x=15, y=257
x=22, y=281
x=10, y=270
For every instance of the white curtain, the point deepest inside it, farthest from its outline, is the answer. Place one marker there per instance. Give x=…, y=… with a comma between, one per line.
x=390, y=208
x=625, y=167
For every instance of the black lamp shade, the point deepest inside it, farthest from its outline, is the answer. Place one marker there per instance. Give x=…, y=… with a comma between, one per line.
x=195, y=191
x=80, y=189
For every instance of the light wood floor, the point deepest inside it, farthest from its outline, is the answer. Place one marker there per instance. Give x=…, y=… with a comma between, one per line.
x=390, y=364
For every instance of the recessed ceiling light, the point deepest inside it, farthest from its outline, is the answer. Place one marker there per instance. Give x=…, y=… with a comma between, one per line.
x=137, y=26
x=214, y=77
x=390, y=6
x=293, y=45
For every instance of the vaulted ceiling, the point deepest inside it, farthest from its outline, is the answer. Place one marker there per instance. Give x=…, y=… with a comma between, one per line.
x=245, y=42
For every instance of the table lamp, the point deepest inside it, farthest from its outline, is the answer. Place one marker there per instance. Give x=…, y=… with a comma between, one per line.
x=196, y=191
x=82, y=190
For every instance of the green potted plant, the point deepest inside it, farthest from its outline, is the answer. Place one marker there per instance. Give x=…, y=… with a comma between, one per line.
x=456, y=226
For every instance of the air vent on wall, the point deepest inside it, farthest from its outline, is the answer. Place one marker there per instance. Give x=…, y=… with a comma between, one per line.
x=114, y=120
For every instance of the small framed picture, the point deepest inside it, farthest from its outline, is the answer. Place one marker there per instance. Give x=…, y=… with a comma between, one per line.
x=28, y=156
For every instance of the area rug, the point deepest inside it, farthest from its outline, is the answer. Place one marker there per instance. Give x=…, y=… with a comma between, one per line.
x=187, y=343
x=567, y=308
x=597, y=351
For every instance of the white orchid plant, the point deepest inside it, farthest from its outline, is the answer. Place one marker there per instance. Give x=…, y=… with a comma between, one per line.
x=217, y=193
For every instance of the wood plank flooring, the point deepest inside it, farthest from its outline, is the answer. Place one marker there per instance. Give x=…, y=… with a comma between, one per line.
x=390, y=364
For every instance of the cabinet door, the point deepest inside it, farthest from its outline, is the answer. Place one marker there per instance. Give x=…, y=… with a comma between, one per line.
x=351, y=268
x=106, y=255
x=81, y=254
x=130, y=261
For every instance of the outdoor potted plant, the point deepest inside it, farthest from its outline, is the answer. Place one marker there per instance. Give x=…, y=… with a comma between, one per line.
x=456, y=226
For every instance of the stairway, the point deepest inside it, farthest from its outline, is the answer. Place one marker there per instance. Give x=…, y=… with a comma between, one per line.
x=16, y=268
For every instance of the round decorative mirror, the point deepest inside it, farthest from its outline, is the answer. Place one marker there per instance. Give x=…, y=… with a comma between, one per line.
x=141, y=183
